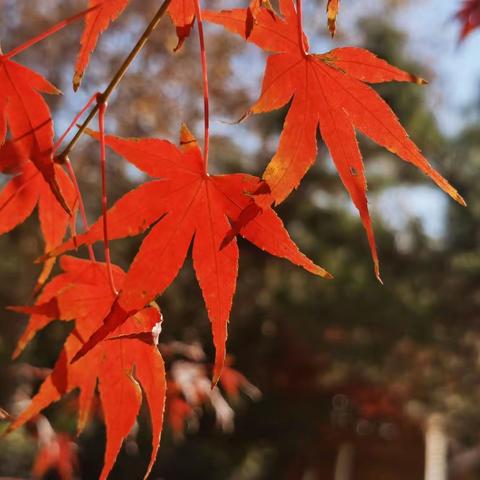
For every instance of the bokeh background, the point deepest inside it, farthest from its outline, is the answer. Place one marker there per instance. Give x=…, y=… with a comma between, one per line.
x=358, y=381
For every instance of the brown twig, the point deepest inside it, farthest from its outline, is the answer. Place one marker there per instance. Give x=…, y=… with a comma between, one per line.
x=116, y=79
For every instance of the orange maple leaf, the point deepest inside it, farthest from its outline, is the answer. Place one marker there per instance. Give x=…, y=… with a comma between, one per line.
x=25, y=112
x=28, y=188
x=95, y=23
x=328, y=92
x=123, y=364
x=189, y=204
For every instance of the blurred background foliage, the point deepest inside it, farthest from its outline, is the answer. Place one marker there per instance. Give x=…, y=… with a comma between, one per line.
x=352, y=373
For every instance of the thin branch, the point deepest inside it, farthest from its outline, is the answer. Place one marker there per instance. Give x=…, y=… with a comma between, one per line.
x=203, y=56
x=81, y=205
x=59, y=142
x=105, y=95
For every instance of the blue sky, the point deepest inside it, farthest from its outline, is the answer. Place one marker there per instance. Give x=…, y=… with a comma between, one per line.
x=433, y=39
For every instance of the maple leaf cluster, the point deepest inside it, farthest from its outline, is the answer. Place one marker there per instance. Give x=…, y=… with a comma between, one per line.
x=117, y=322
x=186, y=375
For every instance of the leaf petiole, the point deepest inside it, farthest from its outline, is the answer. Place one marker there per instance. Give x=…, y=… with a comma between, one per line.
x=301, y=40
x=59, y=142
x=102, y=107
x=81, y=205
x=203, y=57
x=47, y=33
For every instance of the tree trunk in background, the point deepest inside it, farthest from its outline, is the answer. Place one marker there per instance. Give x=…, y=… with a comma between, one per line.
x=344, y=462
x=436, y=448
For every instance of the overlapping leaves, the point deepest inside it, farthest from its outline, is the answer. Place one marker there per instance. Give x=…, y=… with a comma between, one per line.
x=188, y=204
x=182, y=13
x=26, y=189
x=26, y=118
x=123, y=365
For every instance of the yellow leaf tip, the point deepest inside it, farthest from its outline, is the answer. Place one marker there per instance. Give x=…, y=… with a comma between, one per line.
x=324, y=274
x=186, y=136
x=419, y=80
x=332, y=27
x=459, y=199
x=77, y=80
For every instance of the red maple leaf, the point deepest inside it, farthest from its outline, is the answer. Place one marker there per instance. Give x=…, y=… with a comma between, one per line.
x=26, y=114
x=328, y=92
x=189, y=204
x=125, y=361
x=28, y=188
x=469, y=16
x=182, y=13
x=95, y=23
x=24, y=110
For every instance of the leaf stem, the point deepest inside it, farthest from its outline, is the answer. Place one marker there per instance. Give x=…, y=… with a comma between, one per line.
x=301, y=40
x=203, y=56
x=116, y=78
x=73, y=123
x=102, y=106
x=81, y=205
x=71, y=172
x=48, y=32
